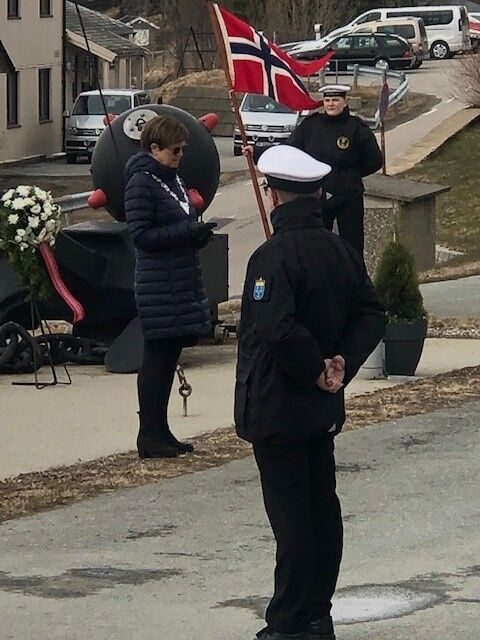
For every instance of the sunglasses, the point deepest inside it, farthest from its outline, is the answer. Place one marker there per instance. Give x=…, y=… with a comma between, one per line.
x=177, y=150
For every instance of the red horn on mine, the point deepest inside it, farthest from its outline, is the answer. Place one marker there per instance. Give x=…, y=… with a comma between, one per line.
x=209, y=120
x=97, y=199
x=196, y=199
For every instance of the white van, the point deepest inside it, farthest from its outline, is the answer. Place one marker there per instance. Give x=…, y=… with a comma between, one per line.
x=446, y=26
x=411, y=29
x=86, y=122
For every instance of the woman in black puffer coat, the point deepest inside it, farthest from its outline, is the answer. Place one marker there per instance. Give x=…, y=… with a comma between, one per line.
x=171, y=300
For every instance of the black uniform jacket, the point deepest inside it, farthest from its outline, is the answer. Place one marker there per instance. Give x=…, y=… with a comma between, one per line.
x=307, y=297
x=344, y=142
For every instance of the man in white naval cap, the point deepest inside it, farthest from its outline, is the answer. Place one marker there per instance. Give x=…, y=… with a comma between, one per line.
x=310, y=318
x=347, y=144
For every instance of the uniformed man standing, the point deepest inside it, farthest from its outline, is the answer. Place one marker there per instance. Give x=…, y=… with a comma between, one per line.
x=347, y=144
x=310, y=318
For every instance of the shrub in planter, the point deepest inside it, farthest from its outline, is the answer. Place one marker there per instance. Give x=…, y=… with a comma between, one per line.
x=397, y=285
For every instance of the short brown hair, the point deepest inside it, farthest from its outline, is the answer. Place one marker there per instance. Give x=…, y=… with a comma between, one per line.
x=164, y=131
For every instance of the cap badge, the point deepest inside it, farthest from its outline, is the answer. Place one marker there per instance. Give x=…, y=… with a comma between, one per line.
x=259, y=289
x=343, y=142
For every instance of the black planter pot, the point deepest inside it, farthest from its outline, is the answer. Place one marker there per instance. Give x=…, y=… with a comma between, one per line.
x=404, y=346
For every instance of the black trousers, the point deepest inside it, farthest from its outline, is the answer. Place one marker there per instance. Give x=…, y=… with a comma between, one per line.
x=154, y=383
x=298, y=486
x=349, y=215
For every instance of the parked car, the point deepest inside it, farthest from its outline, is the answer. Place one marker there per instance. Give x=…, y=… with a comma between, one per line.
x=446, y=26
x=378, y=49
x=410, y=29
x=86, y=121
x=266, y=122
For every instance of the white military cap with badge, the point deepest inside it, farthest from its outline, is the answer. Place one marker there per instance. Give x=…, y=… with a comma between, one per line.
x=289, y=169
x=335, y=90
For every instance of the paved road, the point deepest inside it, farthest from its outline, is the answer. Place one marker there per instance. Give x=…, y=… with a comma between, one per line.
x=192, y=557
x=453, y=299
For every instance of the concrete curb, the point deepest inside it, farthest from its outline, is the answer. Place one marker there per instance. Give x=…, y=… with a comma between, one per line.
x=433, y=140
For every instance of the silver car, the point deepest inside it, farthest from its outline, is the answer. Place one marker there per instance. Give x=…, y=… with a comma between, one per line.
x=266, y=123
x=86, y=122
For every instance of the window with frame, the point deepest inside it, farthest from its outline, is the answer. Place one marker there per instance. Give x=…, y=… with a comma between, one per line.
x=370, y=17
x=403, y=30
x=13, y=9
x=12, y=99
x=44, y=85
x=430, y=18
x=364, y=42
x=45, y=8
x=342, y=43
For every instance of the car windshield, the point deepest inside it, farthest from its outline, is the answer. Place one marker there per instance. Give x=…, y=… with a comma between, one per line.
x=92, y=105
x=263, y=104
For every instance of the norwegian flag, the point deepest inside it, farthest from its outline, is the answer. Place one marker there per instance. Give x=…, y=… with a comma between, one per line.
x=258, y=66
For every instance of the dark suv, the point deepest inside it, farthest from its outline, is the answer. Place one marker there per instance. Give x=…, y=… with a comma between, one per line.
x=381, y=50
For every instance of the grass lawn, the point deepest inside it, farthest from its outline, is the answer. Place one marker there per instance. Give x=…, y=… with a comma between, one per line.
x=456, y=164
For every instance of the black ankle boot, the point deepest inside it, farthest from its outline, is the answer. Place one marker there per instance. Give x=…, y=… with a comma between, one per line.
x=152, y=443
x=149, y=446
x=321, y=629
x=183, y=447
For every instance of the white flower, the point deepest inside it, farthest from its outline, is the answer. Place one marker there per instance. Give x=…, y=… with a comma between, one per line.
x=36, y=209
x=8, y=195
x=50, y=225
x=18, y=203
x=23, y=190
x=40, y=193
x=47, y=207
x=21, y=232
x=23, y=246
x=52, y=242
x=42, y=234
x=8, y=203
x=28, y=230
x=18, y=239
x=29, y=202
x=13, y=218
x=44, y=215
x=33, y=221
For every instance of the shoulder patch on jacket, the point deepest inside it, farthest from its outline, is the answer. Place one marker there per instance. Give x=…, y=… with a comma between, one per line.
x=260, y=289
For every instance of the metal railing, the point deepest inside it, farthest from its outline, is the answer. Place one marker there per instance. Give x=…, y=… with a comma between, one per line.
x=384, y=75
x=73, y=202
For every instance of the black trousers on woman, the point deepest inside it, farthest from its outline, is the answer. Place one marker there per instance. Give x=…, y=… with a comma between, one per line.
x=155, y=380
x=298, y=484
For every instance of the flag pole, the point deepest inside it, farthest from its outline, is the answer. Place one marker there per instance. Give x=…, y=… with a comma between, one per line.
x=236, y=109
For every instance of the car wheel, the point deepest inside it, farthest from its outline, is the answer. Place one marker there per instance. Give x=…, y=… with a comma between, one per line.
x=440, y=50
x=417, y=64
x=382, y=63
x=71, y=158
x=237, y=151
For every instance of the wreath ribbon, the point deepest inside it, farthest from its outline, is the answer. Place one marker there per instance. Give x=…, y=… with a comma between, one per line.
x=54, y=273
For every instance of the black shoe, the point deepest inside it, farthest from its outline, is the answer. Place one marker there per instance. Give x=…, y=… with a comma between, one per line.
x=270, y=634
x=151, y=447
x=183, y=447
x=322, y=629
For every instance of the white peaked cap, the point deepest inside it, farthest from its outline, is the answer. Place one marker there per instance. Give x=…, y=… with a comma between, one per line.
x=335, y=89
x=290, y=169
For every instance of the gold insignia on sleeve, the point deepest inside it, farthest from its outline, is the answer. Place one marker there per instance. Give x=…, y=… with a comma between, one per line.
x=343, y=142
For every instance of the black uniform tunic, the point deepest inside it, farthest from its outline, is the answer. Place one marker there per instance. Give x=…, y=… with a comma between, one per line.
x=347, y=144
x=307, y=297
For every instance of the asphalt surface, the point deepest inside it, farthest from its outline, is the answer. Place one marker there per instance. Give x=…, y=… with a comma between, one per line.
x=453, y=299
x=193, y=557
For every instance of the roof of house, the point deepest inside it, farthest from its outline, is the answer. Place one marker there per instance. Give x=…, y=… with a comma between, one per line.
x=127, y=19
x=134, y=19
x=104, y=31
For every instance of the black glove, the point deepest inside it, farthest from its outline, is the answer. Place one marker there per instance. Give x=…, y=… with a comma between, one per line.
x=201, y=233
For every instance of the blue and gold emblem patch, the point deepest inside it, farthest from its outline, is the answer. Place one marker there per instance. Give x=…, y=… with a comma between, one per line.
x=259, y=289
